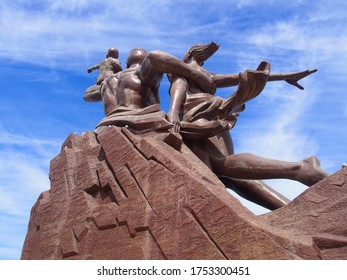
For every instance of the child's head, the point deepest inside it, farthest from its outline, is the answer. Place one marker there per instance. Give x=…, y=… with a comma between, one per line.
x=112, y=52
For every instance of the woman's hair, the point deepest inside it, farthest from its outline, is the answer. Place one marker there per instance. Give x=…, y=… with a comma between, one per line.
x=201, y=52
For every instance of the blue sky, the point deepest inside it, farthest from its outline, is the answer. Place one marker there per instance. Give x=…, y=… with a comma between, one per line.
x=47, y=46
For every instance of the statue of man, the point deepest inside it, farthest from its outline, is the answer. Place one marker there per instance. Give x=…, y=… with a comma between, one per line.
x=135, y=88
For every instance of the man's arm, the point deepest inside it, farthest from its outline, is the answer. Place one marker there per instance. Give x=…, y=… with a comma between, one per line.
x=157, y=62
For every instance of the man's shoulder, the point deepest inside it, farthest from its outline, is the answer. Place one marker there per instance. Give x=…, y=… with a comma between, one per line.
x=132, y=70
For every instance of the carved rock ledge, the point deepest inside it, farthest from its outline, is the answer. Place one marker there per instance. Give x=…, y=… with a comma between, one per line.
x=117, y=195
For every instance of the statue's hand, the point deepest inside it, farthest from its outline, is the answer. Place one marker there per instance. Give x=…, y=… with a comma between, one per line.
x=175, y=120
x=295, y=77
x=90, y=70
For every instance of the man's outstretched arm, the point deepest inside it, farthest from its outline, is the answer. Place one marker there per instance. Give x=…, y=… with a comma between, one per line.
x=158, y=62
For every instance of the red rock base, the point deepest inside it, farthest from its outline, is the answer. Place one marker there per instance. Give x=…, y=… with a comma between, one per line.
x=116, y=195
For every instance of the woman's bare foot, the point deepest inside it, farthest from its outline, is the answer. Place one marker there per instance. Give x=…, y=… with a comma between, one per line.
x=310, y=171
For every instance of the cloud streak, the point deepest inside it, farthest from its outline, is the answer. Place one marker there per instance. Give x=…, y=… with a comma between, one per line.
x=32, y=34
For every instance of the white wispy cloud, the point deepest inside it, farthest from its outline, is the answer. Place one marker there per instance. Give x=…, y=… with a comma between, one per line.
x=56, y=32
x=24, y=165
x=24, y=174
x=320, y=36
x=17, y=139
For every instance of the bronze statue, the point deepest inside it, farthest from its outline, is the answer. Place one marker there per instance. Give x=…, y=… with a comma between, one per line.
x=130, y=185
x=130, y=98
x=191, y=105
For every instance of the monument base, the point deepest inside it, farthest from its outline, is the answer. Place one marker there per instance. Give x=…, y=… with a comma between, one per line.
x=116, y=195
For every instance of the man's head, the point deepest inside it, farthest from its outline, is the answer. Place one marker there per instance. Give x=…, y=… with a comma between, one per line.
x=136, y=56
x=112, y=52
x=201, y=52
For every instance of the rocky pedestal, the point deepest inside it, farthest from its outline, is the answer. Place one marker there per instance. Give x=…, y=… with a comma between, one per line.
x=116, y=195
